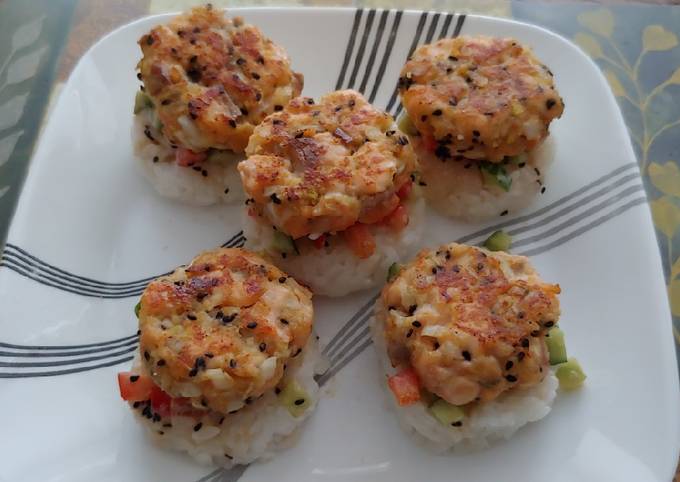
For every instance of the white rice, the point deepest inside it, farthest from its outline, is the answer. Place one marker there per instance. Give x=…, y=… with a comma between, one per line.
x=461, y=193
x=185, y=184
x=498, y=419
x=335, y=270
x=257, y=431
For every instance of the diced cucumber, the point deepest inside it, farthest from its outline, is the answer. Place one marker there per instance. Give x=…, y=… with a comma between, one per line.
x=495, y=174
x=498, y=241
x=142, y=101
x=283, y=243
x=393, y=271
x=556, y=346
x=446, y=413
x=518, y=159
x=294, y=398
x=138, y=307
x=570, y=374
x=406, y=126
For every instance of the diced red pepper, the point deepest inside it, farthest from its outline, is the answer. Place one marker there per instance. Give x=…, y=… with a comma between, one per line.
x=405, y=189
x=320, y=241
x=405, y=386
x=160, y=401
x=133, y=387
x=397, y=219
x=186, y=157
x=429, y=143
x=360, y=240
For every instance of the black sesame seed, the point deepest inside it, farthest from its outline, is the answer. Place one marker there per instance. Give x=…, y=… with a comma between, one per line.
x=157, y=418
x=457, y=424
x=155, y=158
x=160, y=362
x=508, y=365
x=278, y=108
x=476, y=133
x=263, y=346
x=232, y=123
x=136, y=404
x=191, y=317
x=149, y=40
x=134, y=378
x=232, y=363
x=409, y=333
x=550, y=103
x=146, y=356
x=504, y=213
x=252, y=325
x=197, y=168
x=139, y=75
x=548, y=324
x=412, y=309
x=521, y=164
x=466, y=355
x=299, y=350
x=535, y=333
x=442, y=152
x=436, y=345
x=277, y=390
x=275, y=199
x=282, y=279
x=538, y=173
x=299, y=401
x=417, y=324
x=453, y=59
x=402, y=140
x=256, y=76
x=423, y=118
x=198, y=427
x=511, y=378
x=284, y=321
x=226, y=191
x=240, y=61
x=437, y=112
x=520, y=356
x=525, y=342
x=542, y=189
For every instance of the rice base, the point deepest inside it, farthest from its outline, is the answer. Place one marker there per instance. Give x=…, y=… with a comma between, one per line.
x=222, y=184
x=335, y=270
x=460, y=192
x=256, y=431
x=495, y=420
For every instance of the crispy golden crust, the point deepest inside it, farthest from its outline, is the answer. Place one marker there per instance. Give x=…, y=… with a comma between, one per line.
x=213, y=79
x=479, y=97
x=221, y=330
x=470, y=322
x=316, y=168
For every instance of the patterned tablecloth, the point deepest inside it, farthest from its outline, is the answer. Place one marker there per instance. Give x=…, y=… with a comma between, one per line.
x=636, y=46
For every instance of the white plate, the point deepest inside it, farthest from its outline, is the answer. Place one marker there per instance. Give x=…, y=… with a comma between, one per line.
x=88, y=225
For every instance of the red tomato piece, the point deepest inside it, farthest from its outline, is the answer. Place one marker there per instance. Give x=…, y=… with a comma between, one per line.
x=320, y=241
x=360, y=240
x=397, y=219
x=133, y=387
x=405, y=189
x=405, y=386
x=160, y=401
x=186, y=157
x=429, y=143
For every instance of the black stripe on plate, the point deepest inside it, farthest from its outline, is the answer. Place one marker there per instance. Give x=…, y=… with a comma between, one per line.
x=428, y=39
x=445, y=27
x=459, y=25
x=70, y=361
x=350, y=48
x=69, y=371
x=362, y=48
x=414, y=44
x=374, y=51
x=67, y=347
x=386, y=56
x=51, y=354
